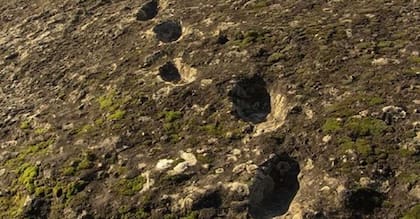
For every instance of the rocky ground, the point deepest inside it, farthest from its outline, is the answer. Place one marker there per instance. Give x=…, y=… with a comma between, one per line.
x=209, y=109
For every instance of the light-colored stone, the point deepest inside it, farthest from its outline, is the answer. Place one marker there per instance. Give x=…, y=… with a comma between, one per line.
x=189, y=158
x=179, y=168
x=415, y=192
x=365, y=181
x=164, y=164
x=219, y=171
x=326, y=138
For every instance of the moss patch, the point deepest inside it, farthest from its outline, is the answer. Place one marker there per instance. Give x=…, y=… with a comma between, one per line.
x=117, y=115
x=361, y=146
x=74, y=187
x=130, y=187
x=171, y=116
x=413, y=213
x=28, y=174
x=26, y=124
x=365, y=126
x=331, y=125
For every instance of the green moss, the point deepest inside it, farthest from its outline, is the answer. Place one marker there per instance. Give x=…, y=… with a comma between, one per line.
x=372, y=101
x=342, y=109
x=365, y=126
x=85, y=161
x=172, y=116
x=170, y=216
x=412, y=71
x=12, y=207
x=99, y=122
x=42, y=191
x=117, y=115
x=213, y=129
x=28, y=174
x=69, y=171
x=74, y=187
x=191, y=215
x=174, y=179
x=331, y=125
x=40, y=131
x=26, y=124
x=130, y=187
x=410, y=178
x=58, y=190
x=261, y=4
x=128, y=213
x=84, y=164
x=361, y=146
x=112, y=105
x=413, y=213
x=384, y=44
x=247, y=38
x=406, y=153
x=346, y=107
x=106, y=101
x=414, y=59
x=275, y=57
x=86, y=129
x=205, y=159
x=364, y=45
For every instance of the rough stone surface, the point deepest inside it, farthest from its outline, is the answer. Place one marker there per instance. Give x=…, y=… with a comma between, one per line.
x=209, y=109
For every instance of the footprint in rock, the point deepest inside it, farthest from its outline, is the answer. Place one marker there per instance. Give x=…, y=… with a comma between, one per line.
x=147, y=11
x=251, y=100
x=168, y=31
x=169, y=73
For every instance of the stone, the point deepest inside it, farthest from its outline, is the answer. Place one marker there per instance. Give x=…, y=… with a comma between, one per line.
x=392, y=114
x=179, y=168
x=415, y=192
x=326, y=138
x=365, y=181
x=164, y=164
x=189, y=158
x=219, y=171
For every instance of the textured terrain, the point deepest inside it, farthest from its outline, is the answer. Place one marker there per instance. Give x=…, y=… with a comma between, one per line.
x=209, y=109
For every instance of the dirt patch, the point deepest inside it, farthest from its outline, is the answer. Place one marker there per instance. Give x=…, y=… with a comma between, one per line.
x=147, y=11
x=274, y=187
x=251, y=100
x=168, y=31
